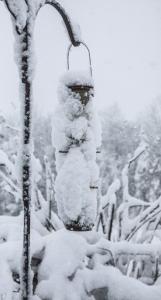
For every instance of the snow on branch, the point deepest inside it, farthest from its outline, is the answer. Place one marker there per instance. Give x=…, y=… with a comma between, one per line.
x=119, y=286
x=139, y=151
x=149, y=214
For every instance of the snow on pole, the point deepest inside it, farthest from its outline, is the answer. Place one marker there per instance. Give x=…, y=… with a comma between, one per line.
x=76, y=136
x=19, y=14
x=23, y=15
x=25, y=44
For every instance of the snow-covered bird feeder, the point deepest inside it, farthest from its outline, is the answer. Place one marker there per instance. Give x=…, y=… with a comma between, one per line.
x=76, y=136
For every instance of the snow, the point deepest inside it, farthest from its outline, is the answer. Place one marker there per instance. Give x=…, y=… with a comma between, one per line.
x=66, y=250
x=74, y=78
x=19, y=10
x=35, y=6
x=6, y=162
x=76, y=137
x=6, y=283
x=110, y=197
x=149, y=213
x=119, y=286
x=73, y=265
x=129, y=225
x=36, y=168
x=76, y=31
x=11, y=236
x=70, y=269
x=73, y=190
x=40, y=217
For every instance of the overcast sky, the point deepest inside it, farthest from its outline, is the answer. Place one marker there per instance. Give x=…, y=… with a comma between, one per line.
x=124, y=37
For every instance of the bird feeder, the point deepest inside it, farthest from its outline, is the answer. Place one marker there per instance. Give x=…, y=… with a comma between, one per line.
x=76, y=195
x=82, y=91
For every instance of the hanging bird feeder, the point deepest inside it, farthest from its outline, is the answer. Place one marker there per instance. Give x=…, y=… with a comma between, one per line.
x=76, y=195
x=82, y=91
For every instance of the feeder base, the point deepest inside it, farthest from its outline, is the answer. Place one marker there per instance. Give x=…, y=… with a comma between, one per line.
x=76, y=226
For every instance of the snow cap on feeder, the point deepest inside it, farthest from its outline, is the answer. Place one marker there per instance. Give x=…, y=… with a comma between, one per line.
x=83, y=90
x=79, y=85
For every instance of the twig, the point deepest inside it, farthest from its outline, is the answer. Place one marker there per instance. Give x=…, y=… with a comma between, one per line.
x=10, y=182
x=144, y=221
x=135, y=157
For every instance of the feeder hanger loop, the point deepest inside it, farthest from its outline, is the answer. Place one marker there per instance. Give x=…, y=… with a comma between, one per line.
x=89, y=56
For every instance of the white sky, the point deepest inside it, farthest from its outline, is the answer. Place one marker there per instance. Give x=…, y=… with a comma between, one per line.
x=124, y=37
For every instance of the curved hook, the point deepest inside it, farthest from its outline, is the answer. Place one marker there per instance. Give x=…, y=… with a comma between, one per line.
x=68, y=23
x=75, y=42
x=89, y=56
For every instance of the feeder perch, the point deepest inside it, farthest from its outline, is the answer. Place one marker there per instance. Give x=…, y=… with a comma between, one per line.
x=98, y=150
x=94, y=187
x=63, y=151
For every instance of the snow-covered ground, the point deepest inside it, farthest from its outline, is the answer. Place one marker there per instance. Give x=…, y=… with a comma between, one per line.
x=72, y=265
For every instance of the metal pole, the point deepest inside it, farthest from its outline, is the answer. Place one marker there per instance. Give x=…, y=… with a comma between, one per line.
x=25, y=40
x=26, y=163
